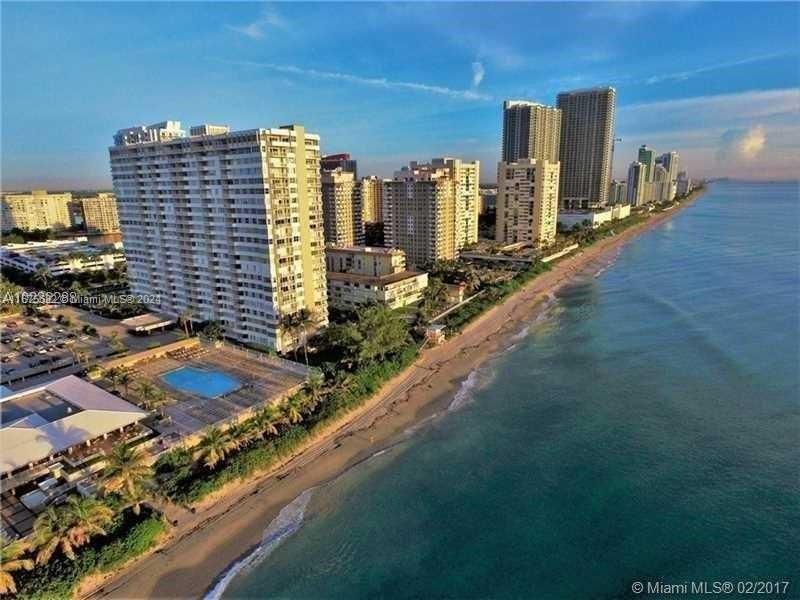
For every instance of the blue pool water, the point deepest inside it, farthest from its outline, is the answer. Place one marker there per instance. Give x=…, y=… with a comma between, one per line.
x=208, y=384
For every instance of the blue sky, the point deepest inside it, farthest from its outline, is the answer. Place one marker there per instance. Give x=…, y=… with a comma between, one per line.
x=391, y=82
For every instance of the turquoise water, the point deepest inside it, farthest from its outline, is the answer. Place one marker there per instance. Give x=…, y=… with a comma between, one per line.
x=646, y=429
x=207, y=384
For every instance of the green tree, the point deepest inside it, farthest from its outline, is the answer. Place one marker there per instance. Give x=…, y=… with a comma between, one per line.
x=267, y=419
x=42, y=276
x=315, y=387
x=11, y=560
x=68, y=527
x=128, y=475
x=147, y=393
x=214, y=447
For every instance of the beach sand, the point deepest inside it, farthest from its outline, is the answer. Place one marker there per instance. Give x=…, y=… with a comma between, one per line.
x=230, y=524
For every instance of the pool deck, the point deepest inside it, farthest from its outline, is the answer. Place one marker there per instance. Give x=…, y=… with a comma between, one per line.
x=263, y=380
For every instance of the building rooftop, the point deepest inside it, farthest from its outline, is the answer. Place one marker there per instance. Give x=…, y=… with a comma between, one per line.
x=373, y=280
x=364, y=250
x=50, y=419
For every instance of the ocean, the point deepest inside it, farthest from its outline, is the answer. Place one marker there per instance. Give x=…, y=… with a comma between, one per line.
x=646, y=428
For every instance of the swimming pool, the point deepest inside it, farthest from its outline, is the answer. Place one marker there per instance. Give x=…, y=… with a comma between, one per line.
x=208, y=384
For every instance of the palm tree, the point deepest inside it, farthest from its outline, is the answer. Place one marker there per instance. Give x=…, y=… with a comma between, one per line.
x=291, y=409
x=214, y=447
x=305, y=319
x=315, y=385
x=267, y=418
x=113, y=374
x=10, y=561
x=69, y=526
x=88, y=517
x=128, y=474
x=185, y=320
x=147, y=393
x=125, y=380
x=290, y=326
x=42, y=276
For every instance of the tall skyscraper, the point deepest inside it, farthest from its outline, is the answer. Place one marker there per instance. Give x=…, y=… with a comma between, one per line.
x=647, y=156
x=530, y=130
x=527, y=202
x=341, y=208
x=37, y=210
x=372, y=199
x=587, y=144
x=636, y=183
x=671, y=162
x=227, y=225
x=329, y=162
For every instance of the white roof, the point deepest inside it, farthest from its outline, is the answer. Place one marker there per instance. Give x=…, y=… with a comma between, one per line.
x=85, y=412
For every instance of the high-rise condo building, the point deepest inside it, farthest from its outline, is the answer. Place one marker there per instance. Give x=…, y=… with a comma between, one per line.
x=530, y=130
x=372, y=199
x=420, y=215
x=636, y=183
x=527, y=202
x=647, y=156
x=587, y=145
x=618, y=193
x=341, y=208
x=671, y=162
x=37, y=210
x=226, y=225
x=663, y=186
x=98, y=214
x=329, y=162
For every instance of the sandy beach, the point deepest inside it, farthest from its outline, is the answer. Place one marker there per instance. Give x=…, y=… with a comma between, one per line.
x=226, y=527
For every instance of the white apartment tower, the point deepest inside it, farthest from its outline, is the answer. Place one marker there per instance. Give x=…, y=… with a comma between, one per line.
x=227, y=225
x=527, y=202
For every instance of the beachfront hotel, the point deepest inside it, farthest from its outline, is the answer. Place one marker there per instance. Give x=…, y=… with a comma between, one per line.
x=366, y=274
x=587, y=146
x=530, y=130
x=36, y=210
x=431, y=209
x=527, y=202
x=226, y=225
x=341, y=208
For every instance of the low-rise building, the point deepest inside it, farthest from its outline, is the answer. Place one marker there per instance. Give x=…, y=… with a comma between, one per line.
x=62, y=257
x=53, y=437
x=361, y=275
x=593, y=218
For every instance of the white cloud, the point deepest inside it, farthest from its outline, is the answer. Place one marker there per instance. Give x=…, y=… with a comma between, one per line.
x=477, y=73
x=684, y=75
x=379, y=82
x=256, y=30
x=743, y=144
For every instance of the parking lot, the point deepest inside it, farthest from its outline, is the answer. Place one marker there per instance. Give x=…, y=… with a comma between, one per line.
x=32, y=346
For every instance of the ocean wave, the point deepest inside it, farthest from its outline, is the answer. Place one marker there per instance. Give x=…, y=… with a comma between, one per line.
x=464, y=393
x=288, y=521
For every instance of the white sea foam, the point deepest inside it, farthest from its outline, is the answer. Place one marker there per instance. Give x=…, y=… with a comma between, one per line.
x=288, y=521
x=464, y=393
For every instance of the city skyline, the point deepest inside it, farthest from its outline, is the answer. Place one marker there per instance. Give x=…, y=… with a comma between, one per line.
x=342, y=71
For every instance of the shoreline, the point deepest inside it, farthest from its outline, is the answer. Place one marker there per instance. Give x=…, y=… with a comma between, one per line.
x=228, y=526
